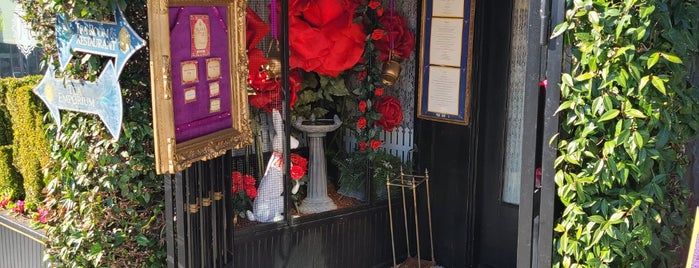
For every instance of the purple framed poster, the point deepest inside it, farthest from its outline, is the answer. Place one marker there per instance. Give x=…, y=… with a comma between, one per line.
x=198, y=74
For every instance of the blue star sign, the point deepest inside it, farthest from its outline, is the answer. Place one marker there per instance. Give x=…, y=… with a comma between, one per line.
x=117, y=39
x=102, y=97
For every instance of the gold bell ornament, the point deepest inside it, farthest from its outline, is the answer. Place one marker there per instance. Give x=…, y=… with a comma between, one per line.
x=391, y=69
x=273, y=68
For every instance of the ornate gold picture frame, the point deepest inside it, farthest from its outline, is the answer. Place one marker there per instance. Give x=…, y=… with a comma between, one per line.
x=189, y=124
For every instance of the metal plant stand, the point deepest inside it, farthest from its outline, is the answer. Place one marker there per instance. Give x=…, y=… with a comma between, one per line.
x=411, y=182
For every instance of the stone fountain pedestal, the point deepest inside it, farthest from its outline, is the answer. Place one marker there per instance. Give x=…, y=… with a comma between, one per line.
x=317, y=199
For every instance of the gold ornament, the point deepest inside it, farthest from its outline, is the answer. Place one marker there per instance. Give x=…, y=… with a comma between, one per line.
x=391, y=69
x=273, y=68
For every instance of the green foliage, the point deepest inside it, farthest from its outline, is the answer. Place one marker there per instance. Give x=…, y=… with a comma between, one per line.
x=30, y=143
x=626, y=111
x=353, y=171
x=5, y=85
x=10, y=180
x=105, y=196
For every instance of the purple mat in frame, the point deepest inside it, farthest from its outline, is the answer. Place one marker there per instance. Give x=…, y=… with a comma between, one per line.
x=200, y=112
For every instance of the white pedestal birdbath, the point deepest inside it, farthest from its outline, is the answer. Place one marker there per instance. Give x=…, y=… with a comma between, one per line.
x=317, y=199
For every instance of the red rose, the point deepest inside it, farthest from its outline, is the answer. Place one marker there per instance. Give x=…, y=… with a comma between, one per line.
x=361, y=75
x=298, y=160
x=251, y=192
x=376, y=34
x=403, y=39
x=362, y=146
x=375, y=144
x=249, y=180
x=362, y=106
x=373, y=4
x=379, y=11
x=361, y=123
x=323, y=37
x=391, y=112
x=297, y=172
x=378, y=92
x=237, y=178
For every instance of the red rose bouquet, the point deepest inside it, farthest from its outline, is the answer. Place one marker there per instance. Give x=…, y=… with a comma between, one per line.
x=244, y=192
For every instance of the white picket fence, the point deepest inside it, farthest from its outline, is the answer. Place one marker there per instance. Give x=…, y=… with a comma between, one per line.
x=398, y=142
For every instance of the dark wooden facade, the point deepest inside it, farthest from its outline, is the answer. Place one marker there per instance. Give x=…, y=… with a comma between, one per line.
x=472, y=226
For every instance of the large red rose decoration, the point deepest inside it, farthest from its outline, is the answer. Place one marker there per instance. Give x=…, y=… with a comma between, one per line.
x=396, y=28
x=391, y=112
x=323, y=37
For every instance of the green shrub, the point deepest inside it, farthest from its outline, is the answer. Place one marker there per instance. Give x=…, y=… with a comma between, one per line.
x=10, y=180
x=627, y=109
x=30, y=144
x=5, y=85
x=5, y=126
x=107, y=198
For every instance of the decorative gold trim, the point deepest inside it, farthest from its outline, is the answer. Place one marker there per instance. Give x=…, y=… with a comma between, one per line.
x=206, y=202
x=193, y=208
x=171, y=156
x=218, y=196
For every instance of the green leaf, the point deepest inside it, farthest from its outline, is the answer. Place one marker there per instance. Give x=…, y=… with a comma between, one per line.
x=584, y=76
x=659, y=84
x=559, y=29
x=634, y=113
x=653, y=59
x=671, y=58
x=609, y=115
x=142, y=240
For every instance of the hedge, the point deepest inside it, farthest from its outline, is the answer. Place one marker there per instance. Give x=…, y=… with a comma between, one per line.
x=5, y=85
x=10, y=180
x=627, y=110
x=30, y=145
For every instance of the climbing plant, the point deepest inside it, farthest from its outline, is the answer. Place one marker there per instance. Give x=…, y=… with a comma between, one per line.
x=105, y=198
x=627, y=109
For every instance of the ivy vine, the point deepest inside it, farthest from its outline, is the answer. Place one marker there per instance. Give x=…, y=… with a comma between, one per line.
x=627, y=109
x=105, y=198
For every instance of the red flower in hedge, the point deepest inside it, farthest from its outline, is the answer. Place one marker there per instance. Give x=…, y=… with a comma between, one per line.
x=375, y=144
x=4, y=202
x=403, y=39
x=362, y=146
x=391, y=112
x=41, y=214
x=19, y=207
x=361, y=123
x=373, y=4
x=362, y=106
x=378, y=92
x=323, y=37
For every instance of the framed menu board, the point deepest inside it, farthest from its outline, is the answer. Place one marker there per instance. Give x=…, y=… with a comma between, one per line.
x=198, y=80
x=445, y=60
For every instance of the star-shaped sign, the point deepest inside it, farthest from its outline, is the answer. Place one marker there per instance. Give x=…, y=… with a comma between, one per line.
x=112, y=39
x=102, y=97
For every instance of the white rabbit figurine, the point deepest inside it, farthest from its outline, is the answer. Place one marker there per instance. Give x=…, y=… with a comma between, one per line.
x=269, y=204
